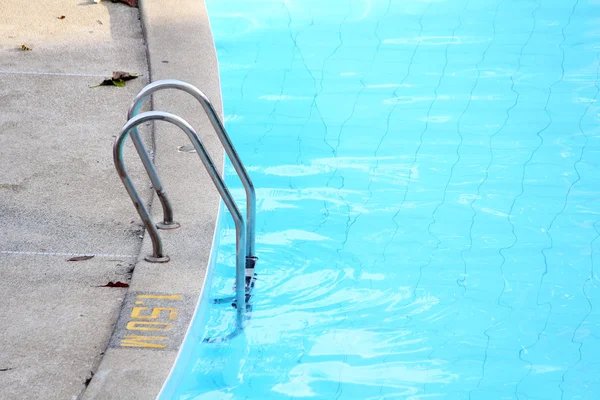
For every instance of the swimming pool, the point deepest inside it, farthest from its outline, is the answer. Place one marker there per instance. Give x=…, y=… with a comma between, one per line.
x=429, y=202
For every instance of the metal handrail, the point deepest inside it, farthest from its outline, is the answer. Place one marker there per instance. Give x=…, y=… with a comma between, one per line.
x=227, y=145
x=167, y=222
x=241, y=280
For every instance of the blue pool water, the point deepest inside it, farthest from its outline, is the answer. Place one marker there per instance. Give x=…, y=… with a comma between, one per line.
x=429, y=202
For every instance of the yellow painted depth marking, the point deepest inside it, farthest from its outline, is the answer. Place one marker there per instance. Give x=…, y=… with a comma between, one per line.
x=142, y=341
x=148, y=326
x=139, y=321
x=135, y=313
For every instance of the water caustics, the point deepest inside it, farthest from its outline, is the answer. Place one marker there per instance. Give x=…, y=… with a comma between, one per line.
x=428, y=202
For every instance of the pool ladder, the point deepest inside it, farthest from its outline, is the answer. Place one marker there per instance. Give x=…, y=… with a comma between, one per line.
x=245, y=232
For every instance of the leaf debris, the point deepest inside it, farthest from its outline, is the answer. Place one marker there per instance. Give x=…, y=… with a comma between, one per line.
x=130, y=3
x=117, y=284
x=118, y=79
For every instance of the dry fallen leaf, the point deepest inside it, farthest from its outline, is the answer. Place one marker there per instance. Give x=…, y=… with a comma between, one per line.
x=126, y=76
x=130, y=3
x=25, y=48
x=118, y=79
x=61, y=17
x=80, y=258
x=116, y=284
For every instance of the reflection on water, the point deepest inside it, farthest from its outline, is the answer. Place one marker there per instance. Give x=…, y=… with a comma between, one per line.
x=427, y=184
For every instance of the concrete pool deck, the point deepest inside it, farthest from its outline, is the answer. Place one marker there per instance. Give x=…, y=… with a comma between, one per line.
x=65, y=334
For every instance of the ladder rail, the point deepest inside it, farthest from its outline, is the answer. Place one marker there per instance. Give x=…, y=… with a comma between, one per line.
x=158, y=255
x=216, y=123
x=167, y=222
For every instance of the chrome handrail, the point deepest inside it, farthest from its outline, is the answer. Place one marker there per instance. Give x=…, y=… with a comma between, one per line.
x=241, y=280
x=227, y=145
x=167, y=222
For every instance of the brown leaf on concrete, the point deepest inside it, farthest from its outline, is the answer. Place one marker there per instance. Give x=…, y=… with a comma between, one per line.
x=118, y=79
x=110, y=82
x=126, y=76
x=131, y=3
x=115, y=284
x=25, y=48
x=61, y=17
x=80, y=258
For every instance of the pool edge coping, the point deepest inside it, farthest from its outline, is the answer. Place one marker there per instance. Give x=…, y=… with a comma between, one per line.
x=142, y=372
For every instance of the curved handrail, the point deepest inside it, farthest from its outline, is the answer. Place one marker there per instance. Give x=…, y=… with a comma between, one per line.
x=158, y=255
x=167, y=222
x=225, y=141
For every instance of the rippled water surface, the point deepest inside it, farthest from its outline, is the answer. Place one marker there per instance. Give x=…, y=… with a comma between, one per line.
x=429, y=199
